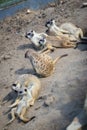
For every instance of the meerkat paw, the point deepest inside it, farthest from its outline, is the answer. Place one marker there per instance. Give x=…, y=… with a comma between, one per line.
x=13, y=116
x=8, y=123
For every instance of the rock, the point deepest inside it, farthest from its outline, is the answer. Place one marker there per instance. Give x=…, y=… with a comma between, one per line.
x=49, y=100
x=6, y=57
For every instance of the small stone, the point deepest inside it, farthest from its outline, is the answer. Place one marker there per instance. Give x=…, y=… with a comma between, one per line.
x=6, y=57
x=49, y=100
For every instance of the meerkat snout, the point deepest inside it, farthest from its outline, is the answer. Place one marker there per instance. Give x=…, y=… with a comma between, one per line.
x=42, y=42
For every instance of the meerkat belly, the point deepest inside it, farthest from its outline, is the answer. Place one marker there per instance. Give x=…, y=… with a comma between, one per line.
x=35, y=90
x=71, y=28
x=22, y=103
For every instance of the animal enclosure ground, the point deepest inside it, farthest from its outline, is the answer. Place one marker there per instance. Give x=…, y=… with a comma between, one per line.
x=63, y=93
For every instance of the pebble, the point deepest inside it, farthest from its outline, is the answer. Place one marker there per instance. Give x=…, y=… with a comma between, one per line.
x=49, y=100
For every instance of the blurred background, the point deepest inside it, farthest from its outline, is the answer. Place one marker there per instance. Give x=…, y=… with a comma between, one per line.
x=9, y=7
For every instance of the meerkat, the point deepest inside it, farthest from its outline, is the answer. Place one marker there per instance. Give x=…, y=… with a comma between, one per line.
x=23, y=80
x=28, y=93
x=53, y=29
x=42, y=63
x=72, y=29
x=49, y=42
x=59, y=42
x=38, y=39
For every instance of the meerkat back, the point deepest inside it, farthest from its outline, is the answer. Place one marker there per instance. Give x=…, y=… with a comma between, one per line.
x=42, y=63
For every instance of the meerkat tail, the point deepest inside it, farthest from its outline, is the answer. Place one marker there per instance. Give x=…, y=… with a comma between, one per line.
x=58, y=58
x=13, y=116
x=24, y=119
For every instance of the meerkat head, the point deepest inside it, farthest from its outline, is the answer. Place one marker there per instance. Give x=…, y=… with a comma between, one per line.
x=42, y=42
x=50, y=23
x=22, y=91
x=30, y=34
x=16, y=87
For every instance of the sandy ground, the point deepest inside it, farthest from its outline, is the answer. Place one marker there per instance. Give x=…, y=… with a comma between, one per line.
x=67, y=86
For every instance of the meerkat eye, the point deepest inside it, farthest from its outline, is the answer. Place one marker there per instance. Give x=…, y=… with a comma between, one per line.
x=14, y=85
x=29, y=34
x=25, y=90
x=51, y=20
x=20, y=92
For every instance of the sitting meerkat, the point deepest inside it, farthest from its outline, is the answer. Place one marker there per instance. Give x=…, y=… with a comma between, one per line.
x=53, y=29
x=38, y=39
x=49, y=42
x=28, y=94
x=42, y=63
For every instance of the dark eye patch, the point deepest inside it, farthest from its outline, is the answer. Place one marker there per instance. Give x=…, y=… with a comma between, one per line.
x=29, y=34
x=14, y=85
x=51, y=20
x=20, y=92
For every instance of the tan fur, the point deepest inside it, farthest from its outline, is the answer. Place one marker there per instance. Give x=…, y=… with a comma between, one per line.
x=68, y=30
x=62, y=41
x=27, y=98
x=54, y=42
x=42, y=63
x=72, y=29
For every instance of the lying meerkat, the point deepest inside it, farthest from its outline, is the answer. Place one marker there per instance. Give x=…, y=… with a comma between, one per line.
x=42, y=63
x=53, y=29
x=59, y=42
x=28, y=94
x=72, y=29
x=38, y=39
x=49, y=42
x=23, y=80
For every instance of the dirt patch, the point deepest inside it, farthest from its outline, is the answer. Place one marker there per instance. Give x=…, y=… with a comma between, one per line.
x=68, y=84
